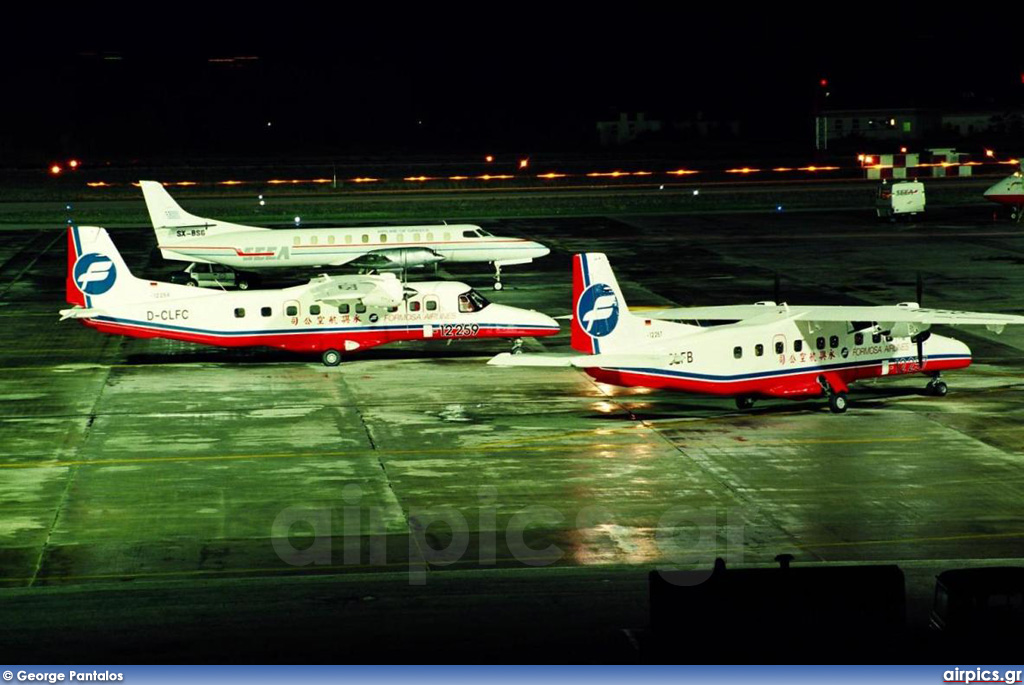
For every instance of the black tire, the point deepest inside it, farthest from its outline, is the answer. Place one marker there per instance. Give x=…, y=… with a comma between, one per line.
x=938, y=389
x=242, y=284
x=498, y=285
x=838, y=402
x=744, y=402
x=192, y=283
x=331, y=357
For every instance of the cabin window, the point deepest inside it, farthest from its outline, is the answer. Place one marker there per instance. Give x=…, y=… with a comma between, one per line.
x=415, y=237
x=291, y=310
x=759, y=350
x=330, y=239
x=401, y=238
x=265, y=311
x=447, y=235
x=876, y=338
x=737, y=352
x=366, y=238
x=820, y=343
x=360, y=308
x=297, y=240
x=314, y=310
x=833, y=341
x=343, y=308
x=430, y=236
x=431, y=305
x=383, y=237
x=858, y=338
x=348, y=240
x=239, y=313
x=798, y=345
x=780, y=347
x=392, y=310
x=312, y=240
x=414, y=306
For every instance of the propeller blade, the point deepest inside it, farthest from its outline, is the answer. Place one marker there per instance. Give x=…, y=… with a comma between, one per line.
x=920, y=289
x=777, y=290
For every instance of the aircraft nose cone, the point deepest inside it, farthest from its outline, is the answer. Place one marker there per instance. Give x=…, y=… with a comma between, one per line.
x=539, y=250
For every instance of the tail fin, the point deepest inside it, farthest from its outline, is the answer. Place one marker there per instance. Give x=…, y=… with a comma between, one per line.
x=97, y=274
x=172, y=224
x=601, y=321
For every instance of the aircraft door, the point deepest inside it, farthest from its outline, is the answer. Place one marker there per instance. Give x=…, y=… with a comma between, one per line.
x=779, y=347
x=431, y=310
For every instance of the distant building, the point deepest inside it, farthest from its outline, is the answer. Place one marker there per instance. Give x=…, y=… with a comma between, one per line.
x=626, y=128
x=911, y=124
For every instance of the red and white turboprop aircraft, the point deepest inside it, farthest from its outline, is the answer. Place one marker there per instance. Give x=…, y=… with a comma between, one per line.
x=769, y=351
x=1010, y=191
x=329, y=315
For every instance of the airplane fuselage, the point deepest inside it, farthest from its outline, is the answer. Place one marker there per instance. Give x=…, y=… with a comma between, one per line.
x=312, y=247
x=779, y=360
x=290, y=319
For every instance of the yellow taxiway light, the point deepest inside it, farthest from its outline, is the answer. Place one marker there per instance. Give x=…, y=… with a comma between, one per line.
x=743, y=170
x=550, y=175
x=73, y=163
x=783, y=168
x=681, y=172
x=524, y=163
x=229, y=183
x=365, y=179
x=418, y=179
x=499, y=177
x=489, y=158
x=607, y=174
x=990, y=153
x=643, y=173
x=55, y=169
x=98, y=184
x=818, y=168
x=458, y=178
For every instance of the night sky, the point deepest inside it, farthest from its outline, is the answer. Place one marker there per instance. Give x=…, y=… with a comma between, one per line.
x=167, y=82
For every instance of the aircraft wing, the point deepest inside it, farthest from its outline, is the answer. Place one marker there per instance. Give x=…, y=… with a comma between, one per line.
x=384, y=290
x=908, y=314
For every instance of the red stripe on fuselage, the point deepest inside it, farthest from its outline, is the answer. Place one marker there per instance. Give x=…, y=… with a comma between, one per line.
x=771, y=386
x=312, y=341
x=1006, y=199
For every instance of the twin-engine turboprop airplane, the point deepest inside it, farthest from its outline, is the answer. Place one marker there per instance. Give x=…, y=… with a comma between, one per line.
x=329, y=315
x=185, y=237
x=770, y=351
x=1010, y=192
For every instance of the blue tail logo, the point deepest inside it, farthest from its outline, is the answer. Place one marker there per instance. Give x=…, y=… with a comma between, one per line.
x=95, y=273
x=597, y=310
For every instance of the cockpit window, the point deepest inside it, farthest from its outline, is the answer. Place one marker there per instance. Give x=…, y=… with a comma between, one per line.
x=470, y=234
x=472, y=301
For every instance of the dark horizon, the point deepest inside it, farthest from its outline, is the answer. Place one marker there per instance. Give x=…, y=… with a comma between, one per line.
x=433, y=85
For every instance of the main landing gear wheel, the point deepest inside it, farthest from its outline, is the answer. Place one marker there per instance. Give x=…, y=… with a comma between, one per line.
x=331, y=358
x=937, y=389
x=517, y=346
x=837, y=403
x=242, y=284
x=744, y=402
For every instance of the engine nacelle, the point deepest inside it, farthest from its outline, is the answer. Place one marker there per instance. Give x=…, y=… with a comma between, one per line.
x=398, y=258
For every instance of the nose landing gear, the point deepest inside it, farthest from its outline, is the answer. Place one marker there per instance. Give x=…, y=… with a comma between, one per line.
x=497, y=276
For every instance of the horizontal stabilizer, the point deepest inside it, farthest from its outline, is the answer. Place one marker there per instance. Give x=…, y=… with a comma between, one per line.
x=80, y=313
x=509, y=359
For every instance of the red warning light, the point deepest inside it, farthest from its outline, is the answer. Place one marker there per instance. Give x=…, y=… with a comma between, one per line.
x=823, y=83
x=73, y=163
